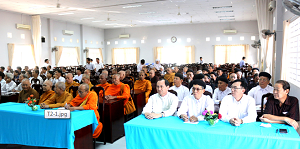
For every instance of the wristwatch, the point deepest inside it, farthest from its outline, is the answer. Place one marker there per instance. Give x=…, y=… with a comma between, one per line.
x=162, y=114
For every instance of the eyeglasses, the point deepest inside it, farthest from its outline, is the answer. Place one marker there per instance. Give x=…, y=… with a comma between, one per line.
x=196, y=89
x=80, y=92
x=263, y=79
x=235, y=88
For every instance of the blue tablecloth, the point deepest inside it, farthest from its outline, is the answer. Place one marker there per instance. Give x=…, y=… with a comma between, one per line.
x=20, y=125
x=172, y=133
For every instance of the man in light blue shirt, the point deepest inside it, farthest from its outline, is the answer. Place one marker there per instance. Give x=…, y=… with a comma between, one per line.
x=242, y=62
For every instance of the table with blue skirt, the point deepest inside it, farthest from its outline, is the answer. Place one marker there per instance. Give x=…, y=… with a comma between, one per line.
x=20, y=125
x=172, y=133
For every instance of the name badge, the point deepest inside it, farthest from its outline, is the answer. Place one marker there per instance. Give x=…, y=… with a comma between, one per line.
x=57, y=114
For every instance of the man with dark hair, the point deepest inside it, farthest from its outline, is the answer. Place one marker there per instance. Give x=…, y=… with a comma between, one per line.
x=161, y=104
x=2, y=69
x=19, y=69
x=238, y=108
x=43, y=71
x=263, y=88
x=26, y=68
x=254, y=82
x=201, y=60
x=141, y=65
x=242, y=62
x=78, y=76
x=29, y=74
x=210, y=69
x=213, y=79
x=58, y=77
x=35, y=75
x=2, y=80
x=9, y=69
x=98, y=65
x=189, y=75
x=181, y=90
x=239, y=75
x=205, y=71
x=48, y=67
x=89, y=65
x=192, y=107
x=47, y=62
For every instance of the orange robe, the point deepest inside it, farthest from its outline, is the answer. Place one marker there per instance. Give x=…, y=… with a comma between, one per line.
x=145, y=86
x=69, y=85
x=91, y=104
x=90, y=86
x=115, y=90
x=46, y=96
x=105, y=86
x=169, y=77
x=59, y=101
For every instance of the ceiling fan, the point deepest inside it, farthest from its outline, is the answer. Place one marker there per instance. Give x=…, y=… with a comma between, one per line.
x=266, y=33
x=256, y=44
x=108, y=19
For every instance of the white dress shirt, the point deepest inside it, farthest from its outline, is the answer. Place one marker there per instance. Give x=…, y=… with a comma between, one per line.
x=157, y=104
x=182, y=91
x=19, y=87
x=257, y=92
x=60, y=79
x=157, y=66
x=89, y=66
x=219, y=95
x=243, y=109
x=46, y=65
x=9, y=86
x=191, y=106
x=78, y=77
x=98, y=66
x=3, y=82
x=139, y=67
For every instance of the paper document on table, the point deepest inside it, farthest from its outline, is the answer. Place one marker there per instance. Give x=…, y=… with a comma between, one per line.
x=61, y=108
x=191, y=122
x=265, y=125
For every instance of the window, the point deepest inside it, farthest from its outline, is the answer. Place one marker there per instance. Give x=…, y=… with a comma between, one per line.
x=175, y=54
x=125, y=55
x=229, y=53
x=68, y=57
x=95, y=53
x=23, y=56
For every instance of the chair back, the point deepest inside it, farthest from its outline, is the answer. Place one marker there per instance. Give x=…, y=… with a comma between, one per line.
x=76, y=80
x=74, y=89
x=262, y=101
x=35, y=81
x=97, y=90
x=207, y=93
x=173, y=92
x=38, y=88
x=131, y=85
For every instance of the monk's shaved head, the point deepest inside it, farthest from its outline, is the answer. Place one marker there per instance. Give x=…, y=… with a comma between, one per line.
x=84, y=86
x=69, y=78
x=122, y=74
x=104, y=75
x=116, y=79
x=48, y=82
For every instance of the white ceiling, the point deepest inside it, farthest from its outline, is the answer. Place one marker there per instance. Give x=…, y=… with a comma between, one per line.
x=160, y=12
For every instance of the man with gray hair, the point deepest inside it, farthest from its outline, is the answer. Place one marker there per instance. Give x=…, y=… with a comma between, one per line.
x=9, y=85
x=27, y=91
x=19, y=87
x=59, y=99
x=86, y=79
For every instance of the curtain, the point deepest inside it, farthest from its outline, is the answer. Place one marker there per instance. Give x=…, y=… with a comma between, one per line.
x=125, y=55
x=268, y=56
x=157, y=53
x=36, y=37
x=230, y=53
x=101, y=56
x=284, y=63
x=190, y=54
x=11, y=50
x=78, y=54
x=264, y=21
x=58, y=54
x=33, y=54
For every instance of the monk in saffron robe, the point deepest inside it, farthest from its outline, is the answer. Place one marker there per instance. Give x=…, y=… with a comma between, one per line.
x=86, y=79
x=86, y=100
x=114, y=90
x=103, y=81
x=27, y=91
x=143, y=85
x=48, y=92
x=169, y=76
x=69, y=82
x=59, y=99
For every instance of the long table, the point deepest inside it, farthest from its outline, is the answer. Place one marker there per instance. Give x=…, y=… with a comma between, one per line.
x=172, y=133
x=20, y=125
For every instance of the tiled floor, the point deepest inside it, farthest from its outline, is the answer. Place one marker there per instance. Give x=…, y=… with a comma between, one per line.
x=119, y=144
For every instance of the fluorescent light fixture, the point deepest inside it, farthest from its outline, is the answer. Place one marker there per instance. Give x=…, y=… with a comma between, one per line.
x=142, y=41
x=134, y=41
x=63, y=39
x=114, y=11
x=108, y=43
x=71, y=40
x=132, y=6
x=22, y=36
x=252, y=37
x=9, y=35
x=159, y=40
x=218, y=38
x=61, y=14
x=87, y=18
x=225, y=16
x=222, y=7
x=179, y=39
x=116, y=42
x=229, y=38
x=98, y=21
x=207, y=39
x=285, y=10
x=242, y=38
x=112, y=24
x=37, y=7
x=226, y=19
x=169, y=40
x=125, y=42
x=55, y=39
x=188, y=39
x=224, y=11
x=145, y=21
x=146, y=13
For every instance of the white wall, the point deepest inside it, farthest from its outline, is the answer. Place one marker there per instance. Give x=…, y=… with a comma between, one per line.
x=197, y=33
x=8, y=24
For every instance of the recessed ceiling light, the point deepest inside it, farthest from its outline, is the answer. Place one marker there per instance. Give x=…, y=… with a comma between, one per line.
x=9, y=35
x=55, y=38
x=222, y=7
x=142, y=41
x=71, y=40
x=207, y=39
x=22, y=36
x=225, y=16
x=229, y=38
x=87, y=18
x=112, y=24
x=134, y=42
x=125, y=42
x=163, y=20
x=116, y=42
x=252, y=37
x=224, y=11
x=114, y=11
x=65, y=13
x=132, y=6
x=77, y=41
x=159, y=40
x=108, y=43
x=147, y=13
x=188, y=39
x=242, y=38
x=63, y=39
x=98, y=21
x=218, y=38
x=84, y=9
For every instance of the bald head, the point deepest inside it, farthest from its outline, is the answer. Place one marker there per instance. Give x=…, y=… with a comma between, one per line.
x=26, y=85
x=116, y=79
x=48, y=82
x=102, y=78
x=122, y=74
x=85, y=78
x=151, y=73
x=47, y=86
x=69, y=78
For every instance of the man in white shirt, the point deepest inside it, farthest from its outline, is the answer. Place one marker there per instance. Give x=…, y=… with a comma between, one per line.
x=47, y=63
x=58, y=77
x=201, y=77
x=9, y=85
x=89, y=65
x=181, y=90
x=238, y=108
x=78, y=76
x=157, y=64
x=2, y=80
x=141, y=65
x=222, y=90
x=161, y=104
x=192, y=106
x=43, y=72
x=263, y=88
x=98, y=65
x=201, y=60
x=35, y=75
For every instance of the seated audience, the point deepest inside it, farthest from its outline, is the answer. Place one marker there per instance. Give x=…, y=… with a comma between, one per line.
x=27, y=91
x=157, y=64
x=86, y=79
x=239, y=75
x=232, y=78
x=16, y=75
x=192, y=106
x=205, y=71
x=169, y=76
x=152, y=76
x=280, y=107
x=143, y=85
x=69, y=82
x=161, y=104
x=238, y=108
x=2, y=80
x=222, y=90
x=189, y=75
x=254, y=82
x=29, y=74
x=184, y=71
x=141, y=65
x=43, y=72
x=35, y=75
x=19, y=87
x=213, y=77
x=48, y=92
x=263, y=87
x=175, y=69
x=103, y=81
x=58, y=77
x=78, y=76
x=181, y=90
x=10, y=84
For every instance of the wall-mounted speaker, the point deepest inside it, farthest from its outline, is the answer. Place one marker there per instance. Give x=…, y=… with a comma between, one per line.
x=43, y=39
